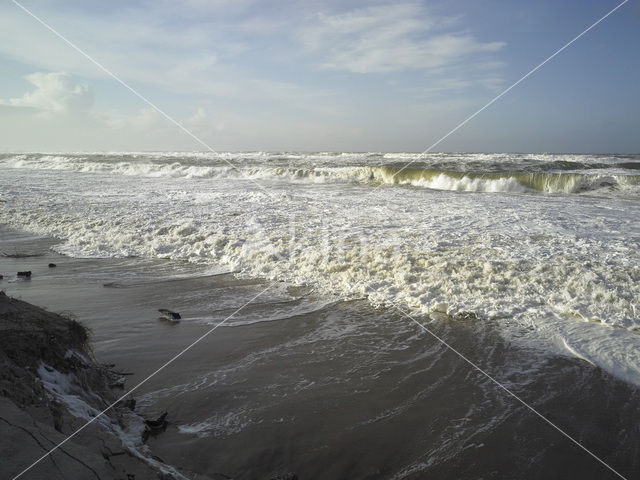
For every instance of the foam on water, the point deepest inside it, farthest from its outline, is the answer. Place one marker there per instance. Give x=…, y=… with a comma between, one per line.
x=478, y=173
x=66, y=389
x=563, y=269
x=218, y=425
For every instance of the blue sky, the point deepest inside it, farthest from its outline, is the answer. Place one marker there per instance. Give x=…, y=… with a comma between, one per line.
x=319, y=75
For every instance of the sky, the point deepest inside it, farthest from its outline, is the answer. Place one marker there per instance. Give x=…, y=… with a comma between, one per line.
x=264, y=75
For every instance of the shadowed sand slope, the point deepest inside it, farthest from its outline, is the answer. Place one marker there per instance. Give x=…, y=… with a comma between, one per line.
x=45, y=358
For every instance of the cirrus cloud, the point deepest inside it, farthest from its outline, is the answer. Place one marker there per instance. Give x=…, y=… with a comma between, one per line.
x=390, y=38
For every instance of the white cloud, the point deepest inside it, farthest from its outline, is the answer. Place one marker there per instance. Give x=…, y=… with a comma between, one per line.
x=54, y=93
x=389, y=38
x=204, y=124
x=240, y=76
x=144, y=119
x=136, y=44
x=208, y=55
x=58, y=94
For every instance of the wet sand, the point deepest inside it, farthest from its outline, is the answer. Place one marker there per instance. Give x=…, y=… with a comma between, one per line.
x=50, y=387
x=340, y=391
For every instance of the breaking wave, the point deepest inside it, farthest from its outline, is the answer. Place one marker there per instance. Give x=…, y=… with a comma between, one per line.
x=564, y=177
x=555, y=262
x=562, y=183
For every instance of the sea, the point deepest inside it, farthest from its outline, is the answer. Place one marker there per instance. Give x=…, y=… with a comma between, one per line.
x=326, y=273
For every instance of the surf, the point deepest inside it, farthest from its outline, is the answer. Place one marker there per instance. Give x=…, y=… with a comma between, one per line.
x=555, y=175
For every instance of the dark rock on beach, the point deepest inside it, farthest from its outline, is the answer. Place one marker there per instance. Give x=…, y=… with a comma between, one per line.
x=170, y=315
x=154, y=427
x=129, y=403
x=160, y=422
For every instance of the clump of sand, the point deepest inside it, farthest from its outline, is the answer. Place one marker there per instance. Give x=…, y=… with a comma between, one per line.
x=33, y=418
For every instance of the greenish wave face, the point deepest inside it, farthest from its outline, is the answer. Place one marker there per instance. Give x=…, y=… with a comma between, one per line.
x=597, y=175
x=552, y=183
x=363, y=226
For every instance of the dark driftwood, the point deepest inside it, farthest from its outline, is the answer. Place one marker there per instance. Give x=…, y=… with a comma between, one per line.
x=169, y=315
x=154, y=427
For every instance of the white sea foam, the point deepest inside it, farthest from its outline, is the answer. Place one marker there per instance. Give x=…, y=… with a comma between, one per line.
x=367, y=169
x=565, y=266
x=469, y=184
x=224, y=425
x=66, y=389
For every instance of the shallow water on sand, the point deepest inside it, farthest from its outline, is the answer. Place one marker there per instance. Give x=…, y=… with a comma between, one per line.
x=327, y=388
x=546, y=246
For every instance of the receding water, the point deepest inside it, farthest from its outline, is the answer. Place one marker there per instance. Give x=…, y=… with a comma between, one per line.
x=528, y=264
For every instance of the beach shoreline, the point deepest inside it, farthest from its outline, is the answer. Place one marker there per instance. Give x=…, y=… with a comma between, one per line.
x=325, y=390
x=126, y=338
x=49, y=383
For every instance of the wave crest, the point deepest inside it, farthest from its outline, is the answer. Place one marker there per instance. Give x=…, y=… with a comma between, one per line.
x=548, y=182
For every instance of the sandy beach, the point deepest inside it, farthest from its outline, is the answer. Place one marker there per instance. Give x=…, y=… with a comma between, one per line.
x=319, y=240
x=342, y=391
x=51, y=387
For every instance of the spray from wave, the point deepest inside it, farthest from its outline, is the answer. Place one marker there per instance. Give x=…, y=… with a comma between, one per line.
x=475, y=174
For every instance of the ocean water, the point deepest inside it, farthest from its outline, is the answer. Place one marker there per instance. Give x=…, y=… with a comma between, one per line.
x=548, y=245
x=530, y=264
